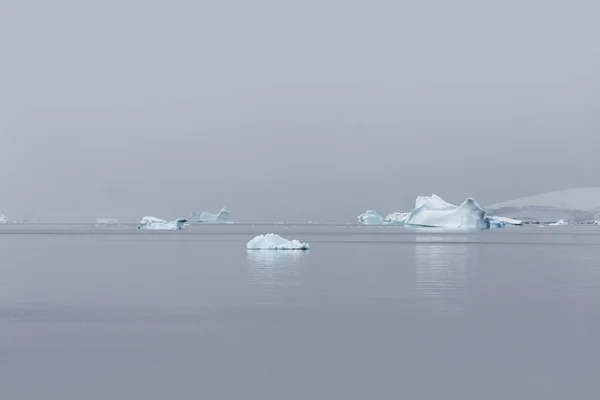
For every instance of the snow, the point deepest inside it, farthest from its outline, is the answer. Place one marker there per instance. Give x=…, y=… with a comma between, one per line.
x=579, y=204
x=435, y=212
x=434, y=201
x=583, y=199
x=371, y=217
x=271, y=241
x=206, y=217
x=161, y=224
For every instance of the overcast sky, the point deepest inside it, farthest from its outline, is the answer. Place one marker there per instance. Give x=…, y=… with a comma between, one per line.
x=292, y=111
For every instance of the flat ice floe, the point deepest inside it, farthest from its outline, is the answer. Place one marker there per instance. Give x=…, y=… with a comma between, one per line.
x=107, y=221
x=161, y=224
x=271, y=241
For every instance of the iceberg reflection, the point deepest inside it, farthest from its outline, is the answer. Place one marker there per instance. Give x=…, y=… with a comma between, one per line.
x=275, y=274
x=442, y=265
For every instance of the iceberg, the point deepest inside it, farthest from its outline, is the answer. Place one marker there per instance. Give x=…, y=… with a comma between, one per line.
x=161, y=224
x=433, y=212
x=107, y=221
x=371, y=217
x=206, y=217
x=396, y=218
x=494, y=223
x=3, y=219
x=271, y=241
x=559, y=223
x=505, y=220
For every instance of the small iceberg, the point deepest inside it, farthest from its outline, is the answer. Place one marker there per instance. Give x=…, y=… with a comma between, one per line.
x=161, y=224
x=560, y=222
x=271, y=241
x=434, y=212
x=371, y=217
x=3, y=219
x=107, y=221
x=206, y=217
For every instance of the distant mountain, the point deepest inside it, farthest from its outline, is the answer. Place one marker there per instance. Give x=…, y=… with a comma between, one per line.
x=579, y=204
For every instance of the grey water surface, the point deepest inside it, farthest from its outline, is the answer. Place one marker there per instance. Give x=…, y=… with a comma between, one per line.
x=92, y=312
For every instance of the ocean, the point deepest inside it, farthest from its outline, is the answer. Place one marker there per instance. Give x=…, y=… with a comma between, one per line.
x=369, y=312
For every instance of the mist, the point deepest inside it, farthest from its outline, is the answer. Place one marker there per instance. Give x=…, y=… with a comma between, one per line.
x=313, y=110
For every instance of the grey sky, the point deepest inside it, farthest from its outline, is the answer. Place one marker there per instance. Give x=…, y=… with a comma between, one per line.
x=305, y=110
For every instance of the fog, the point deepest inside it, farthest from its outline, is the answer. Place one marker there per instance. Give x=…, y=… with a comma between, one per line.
x=292, y=111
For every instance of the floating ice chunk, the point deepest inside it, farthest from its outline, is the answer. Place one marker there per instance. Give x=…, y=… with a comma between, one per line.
x=371, y=217
x=505, y=220
x=161, y=224
x=271, y=241
x=494, y=223
x=3, y=219
x=435, y=212
x=107, y=221
x=558, y=223
x=396, y=218
x=206, y=217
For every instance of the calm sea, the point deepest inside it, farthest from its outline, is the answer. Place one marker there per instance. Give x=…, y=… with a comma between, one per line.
x=368, y=313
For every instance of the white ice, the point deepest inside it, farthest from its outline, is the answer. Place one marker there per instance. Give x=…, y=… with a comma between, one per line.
x=207, y=217
x=161, y=224
x=433, y=211
x=505, y=220
x=579, y=204
x=396, y=218
x=107, y=221
x=559, y=222
x=271, y=241
x=3, y=219
x=371, y=217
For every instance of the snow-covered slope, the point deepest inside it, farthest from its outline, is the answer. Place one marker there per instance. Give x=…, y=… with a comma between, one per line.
x=579, y=204
x=583, y=199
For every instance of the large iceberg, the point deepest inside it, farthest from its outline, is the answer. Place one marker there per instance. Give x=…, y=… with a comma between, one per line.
x=271, y=241
x=161, y=224
x=432, y=211
x=207, y=217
